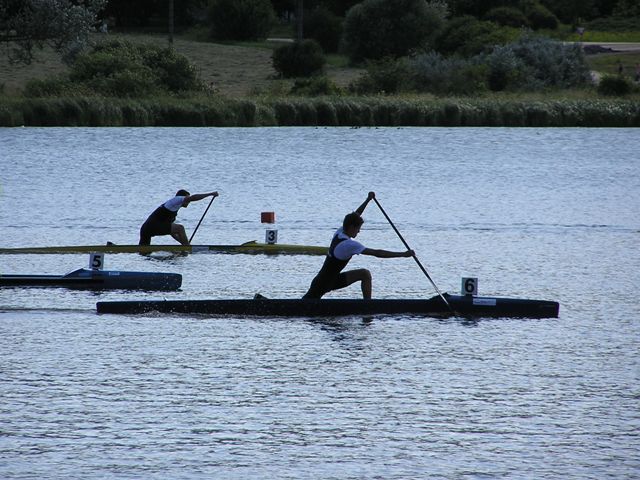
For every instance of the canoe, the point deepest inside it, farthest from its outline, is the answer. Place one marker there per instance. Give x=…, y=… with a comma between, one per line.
x=463, y=305
x=98, y=280
x=248, y=247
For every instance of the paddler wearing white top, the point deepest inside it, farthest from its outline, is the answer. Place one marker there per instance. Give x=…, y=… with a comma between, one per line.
x=342, y=248
x=162, y=219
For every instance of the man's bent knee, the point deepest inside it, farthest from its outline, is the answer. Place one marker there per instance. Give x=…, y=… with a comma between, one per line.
x=363, y=274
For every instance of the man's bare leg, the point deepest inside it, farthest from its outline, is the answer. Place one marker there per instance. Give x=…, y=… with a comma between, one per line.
x=178, y=232
x=361, y=275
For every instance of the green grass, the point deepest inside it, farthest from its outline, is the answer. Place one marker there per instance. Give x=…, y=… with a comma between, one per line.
x=337, y=60
x=605, y=37
x=282, y=30
x=607, y=63
x=568, y=34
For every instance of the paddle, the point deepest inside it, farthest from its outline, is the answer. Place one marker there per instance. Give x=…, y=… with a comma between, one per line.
x=202, y=218
x=424, y=270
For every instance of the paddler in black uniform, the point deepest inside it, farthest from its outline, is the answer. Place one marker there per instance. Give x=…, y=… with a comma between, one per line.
x=342, y=248
x=162, y=220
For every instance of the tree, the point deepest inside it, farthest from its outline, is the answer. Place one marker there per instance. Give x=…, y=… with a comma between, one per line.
x=63, y=25
x=240, y=19
x=627, y=8
x=477, y=8
x=146, y=13
x=375, y=29
x=339, y=7
x=570, y=11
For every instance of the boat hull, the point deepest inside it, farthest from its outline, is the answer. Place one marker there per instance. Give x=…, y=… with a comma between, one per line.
x=254, y=248
x=98, y=280
x=466, y=306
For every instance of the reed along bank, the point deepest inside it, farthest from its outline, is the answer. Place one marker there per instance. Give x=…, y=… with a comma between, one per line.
x=215, y=111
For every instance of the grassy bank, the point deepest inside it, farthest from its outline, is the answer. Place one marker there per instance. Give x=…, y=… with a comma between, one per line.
x=217, y=111
x=244, y=91
x=233, y=70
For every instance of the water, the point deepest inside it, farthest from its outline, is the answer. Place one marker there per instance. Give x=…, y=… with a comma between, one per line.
x=533, y=213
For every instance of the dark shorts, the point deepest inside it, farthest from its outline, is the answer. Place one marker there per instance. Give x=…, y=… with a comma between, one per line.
x=318, y=288
x=153, y=229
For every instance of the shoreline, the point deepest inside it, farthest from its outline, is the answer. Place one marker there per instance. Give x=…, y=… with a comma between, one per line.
x=217, y=111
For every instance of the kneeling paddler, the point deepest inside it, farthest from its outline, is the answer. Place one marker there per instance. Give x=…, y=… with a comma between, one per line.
x=342, y=248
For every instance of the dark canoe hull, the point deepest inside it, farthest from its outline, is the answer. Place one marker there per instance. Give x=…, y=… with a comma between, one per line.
x=466, y=306
x=98, y=280
x=254, y=248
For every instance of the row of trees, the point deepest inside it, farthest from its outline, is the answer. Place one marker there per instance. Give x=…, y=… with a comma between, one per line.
x=61, y=24
x=155, y=13
x=408, y=45
x=188, y=12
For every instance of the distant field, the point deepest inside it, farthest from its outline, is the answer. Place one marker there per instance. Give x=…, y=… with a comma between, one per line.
x=607, y=63
x=233, y=70
x=239, y=70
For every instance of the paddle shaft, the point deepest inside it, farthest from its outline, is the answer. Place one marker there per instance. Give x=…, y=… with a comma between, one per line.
x=424, y=270
x=202, y=218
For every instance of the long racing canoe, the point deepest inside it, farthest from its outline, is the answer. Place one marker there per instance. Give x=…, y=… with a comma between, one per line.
x=462, y=305
x=252, y=247
x=98, y=280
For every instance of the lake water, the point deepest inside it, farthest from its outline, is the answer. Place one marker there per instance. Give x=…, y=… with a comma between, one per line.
x=533, y=213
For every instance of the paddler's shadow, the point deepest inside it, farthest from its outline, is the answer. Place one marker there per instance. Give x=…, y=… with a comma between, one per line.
x=343, y=329
x=165, y=257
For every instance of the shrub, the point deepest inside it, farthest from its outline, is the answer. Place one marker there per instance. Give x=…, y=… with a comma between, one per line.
x=314, y=87
x=505, y=69
x=172, y=70
x=127, y=83
x=507, y=17
x=241, y=19
x=387, y=75
x=540, y=16
x=50, y=87
x=105, y=64
x=614, y=85
x=542, y=63
x=376, y=29
x=299, y=59
x=122, y=68
x=627, y=8
x=615, y=24
x=431, y=72
x=324, y=27
x=467, y=36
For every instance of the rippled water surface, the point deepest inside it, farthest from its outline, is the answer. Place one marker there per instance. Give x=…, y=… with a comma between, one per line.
x=533, y=213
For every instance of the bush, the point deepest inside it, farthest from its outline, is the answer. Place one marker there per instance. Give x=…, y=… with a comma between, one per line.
x=314, y=87
x=615, y=24
x=614, y=86
x=540, y=63
x=467, y=36
x=241, y=19
x=122, y=68
x=387, y=76
x=540, y=16
x=172, y=70
x=627, y=8
x=431, y=72
x=127, y=83
x=50, y=87
x=376, y=29
x=505, y=69
x=299, y=59
x=105, y=64
x=507, y=17
x=324, y=27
